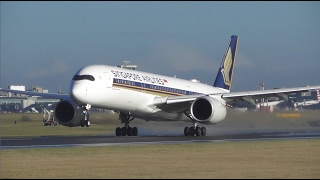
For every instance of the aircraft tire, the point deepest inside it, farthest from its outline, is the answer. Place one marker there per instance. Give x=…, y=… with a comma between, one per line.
x=118, y=131
x=135, y=131
x=198, y=131
x=123, y=131
x=186, y=131
x=203, y=131
x=87, y=123
x=191, y=131
x=129, y=131
x=82, y=123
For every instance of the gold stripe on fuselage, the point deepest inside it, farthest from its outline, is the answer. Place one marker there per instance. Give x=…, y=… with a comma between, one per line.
x=145, y=90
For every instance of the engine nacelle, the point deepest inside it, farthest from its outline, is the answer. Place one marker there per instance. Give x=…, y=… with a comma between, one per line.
x=208, y=110
x=67, y=113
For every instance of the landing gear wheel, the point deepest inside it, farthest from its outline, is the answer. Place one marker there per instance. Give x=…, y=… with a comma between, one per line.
x=87, y=123
x=191, y=131
x=134, y=131
x=123, y=131
x=129, y=131
x=186, y=131
x=195, y=130
x=118, y=131
x=203, y=131
x=126, y=130
x=82, y=123
x=198, y=131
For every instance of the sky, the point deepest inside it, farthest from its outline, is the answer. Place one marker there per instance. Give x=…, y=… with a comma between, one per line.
x=45, y=43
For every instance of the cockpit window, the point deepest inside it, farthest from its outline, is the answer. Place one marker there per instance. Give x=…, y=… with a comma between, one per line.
x=82, y=77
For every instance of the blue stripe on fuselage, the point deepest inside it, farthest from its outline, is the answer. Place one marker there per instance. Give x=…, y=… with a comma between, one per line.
x=151, y=87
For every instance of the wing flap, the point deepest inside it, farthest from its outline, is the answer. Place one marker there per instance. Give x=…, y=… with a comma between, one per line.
x=249, y=96
x=175, y=104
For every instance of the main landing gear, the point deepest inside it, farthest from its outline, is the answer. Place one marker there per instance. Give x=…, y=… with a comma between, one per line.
x=126, y=130
x=195, y=130
x=85, y=121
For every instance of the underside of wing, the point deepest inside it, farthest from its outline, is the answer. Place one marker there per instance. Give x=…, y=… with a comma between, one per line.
x=175, y=104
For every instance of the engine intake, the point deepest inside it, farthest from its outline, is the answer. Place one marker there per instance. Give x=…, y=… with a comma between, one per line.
x=67, y=113
x=208, y=110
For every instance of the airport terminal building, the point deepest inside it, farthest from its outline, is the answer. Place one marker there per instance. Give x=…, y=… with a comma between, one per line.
x=16, y=103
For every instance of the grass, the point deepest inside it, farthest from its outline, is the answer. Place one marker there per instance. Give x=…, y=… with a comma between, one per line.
x=254, y=159
x=259, y=159
x=29, y=124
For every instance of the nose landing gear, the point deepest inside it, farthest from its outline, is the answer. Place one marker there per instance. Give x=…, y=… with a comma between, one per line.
x=85, y=121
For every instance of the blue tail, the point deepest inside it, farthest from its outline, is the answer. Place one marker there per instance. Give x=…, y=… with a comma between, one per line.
x=224, y=76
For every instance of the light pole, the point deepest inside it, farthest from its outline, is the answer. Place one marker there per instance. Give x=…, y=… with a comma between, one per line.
x=262, y=88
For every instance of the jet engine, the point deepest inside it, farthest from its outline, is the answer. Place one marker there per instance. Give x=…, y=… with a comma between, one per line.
x=208, y=110
x=67, y=113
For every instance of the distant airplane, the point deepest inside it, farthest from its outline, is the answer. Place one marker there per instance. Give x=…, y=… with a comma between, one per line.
x=153, y=97
x=292, y=103
x=271, y=103
x=308, y=102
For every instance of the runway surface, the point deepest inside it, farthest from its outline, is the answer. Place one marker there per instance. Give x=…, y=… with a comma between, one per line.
x=237, y=127
x=72, y=141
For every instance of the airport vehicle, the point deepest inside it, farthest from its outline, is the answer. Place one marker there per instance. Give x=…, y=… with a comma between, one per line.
x=153, y=97
x=48, y=118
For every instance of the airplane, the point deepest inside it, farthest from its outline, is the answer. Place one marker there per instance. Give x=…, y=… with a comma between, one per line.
x=308, y=102
x=292, y=103
x=153, y=97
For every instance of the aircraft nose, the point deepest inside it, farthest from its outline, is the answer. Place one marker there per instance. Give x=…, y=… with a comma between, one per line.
x=77, y=93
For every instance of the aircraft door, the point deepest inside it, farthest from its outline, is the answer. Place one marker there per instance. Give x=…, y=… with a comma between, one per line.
x=109, y=79
x=143, y=87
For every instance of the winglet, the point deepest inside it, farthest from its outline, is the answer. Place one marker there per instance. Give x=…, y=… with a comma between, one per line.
x=224, y=76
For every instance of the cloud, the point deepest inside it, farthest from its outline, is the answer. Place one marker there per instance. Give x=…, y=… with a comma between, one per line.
x=56, y=67
x=179, y=56
x=59, y=66
x=35, y=72
x=243, y=61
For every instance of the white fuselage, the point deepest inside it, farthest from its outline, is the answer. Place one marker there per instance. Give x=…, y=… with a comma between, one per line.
x=132, y=91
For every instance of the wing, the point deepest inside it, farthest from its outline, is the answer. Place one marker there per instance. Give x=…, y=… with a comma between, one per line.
x=182, y=103
x=45, y=95
x=250, y=96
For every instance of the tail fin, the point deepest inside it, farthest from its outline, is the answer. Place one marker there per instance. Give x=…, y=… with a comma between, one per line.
x=224, y=76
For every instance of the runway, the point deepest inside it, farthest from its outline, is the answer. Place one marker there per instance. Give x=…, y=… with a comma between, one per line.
x=73, y=141
x=237, y=127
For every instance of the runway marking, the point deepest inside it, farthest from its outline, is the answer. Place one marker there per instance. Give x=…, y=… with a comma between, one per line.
x=148, y=143
x=15, y=139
